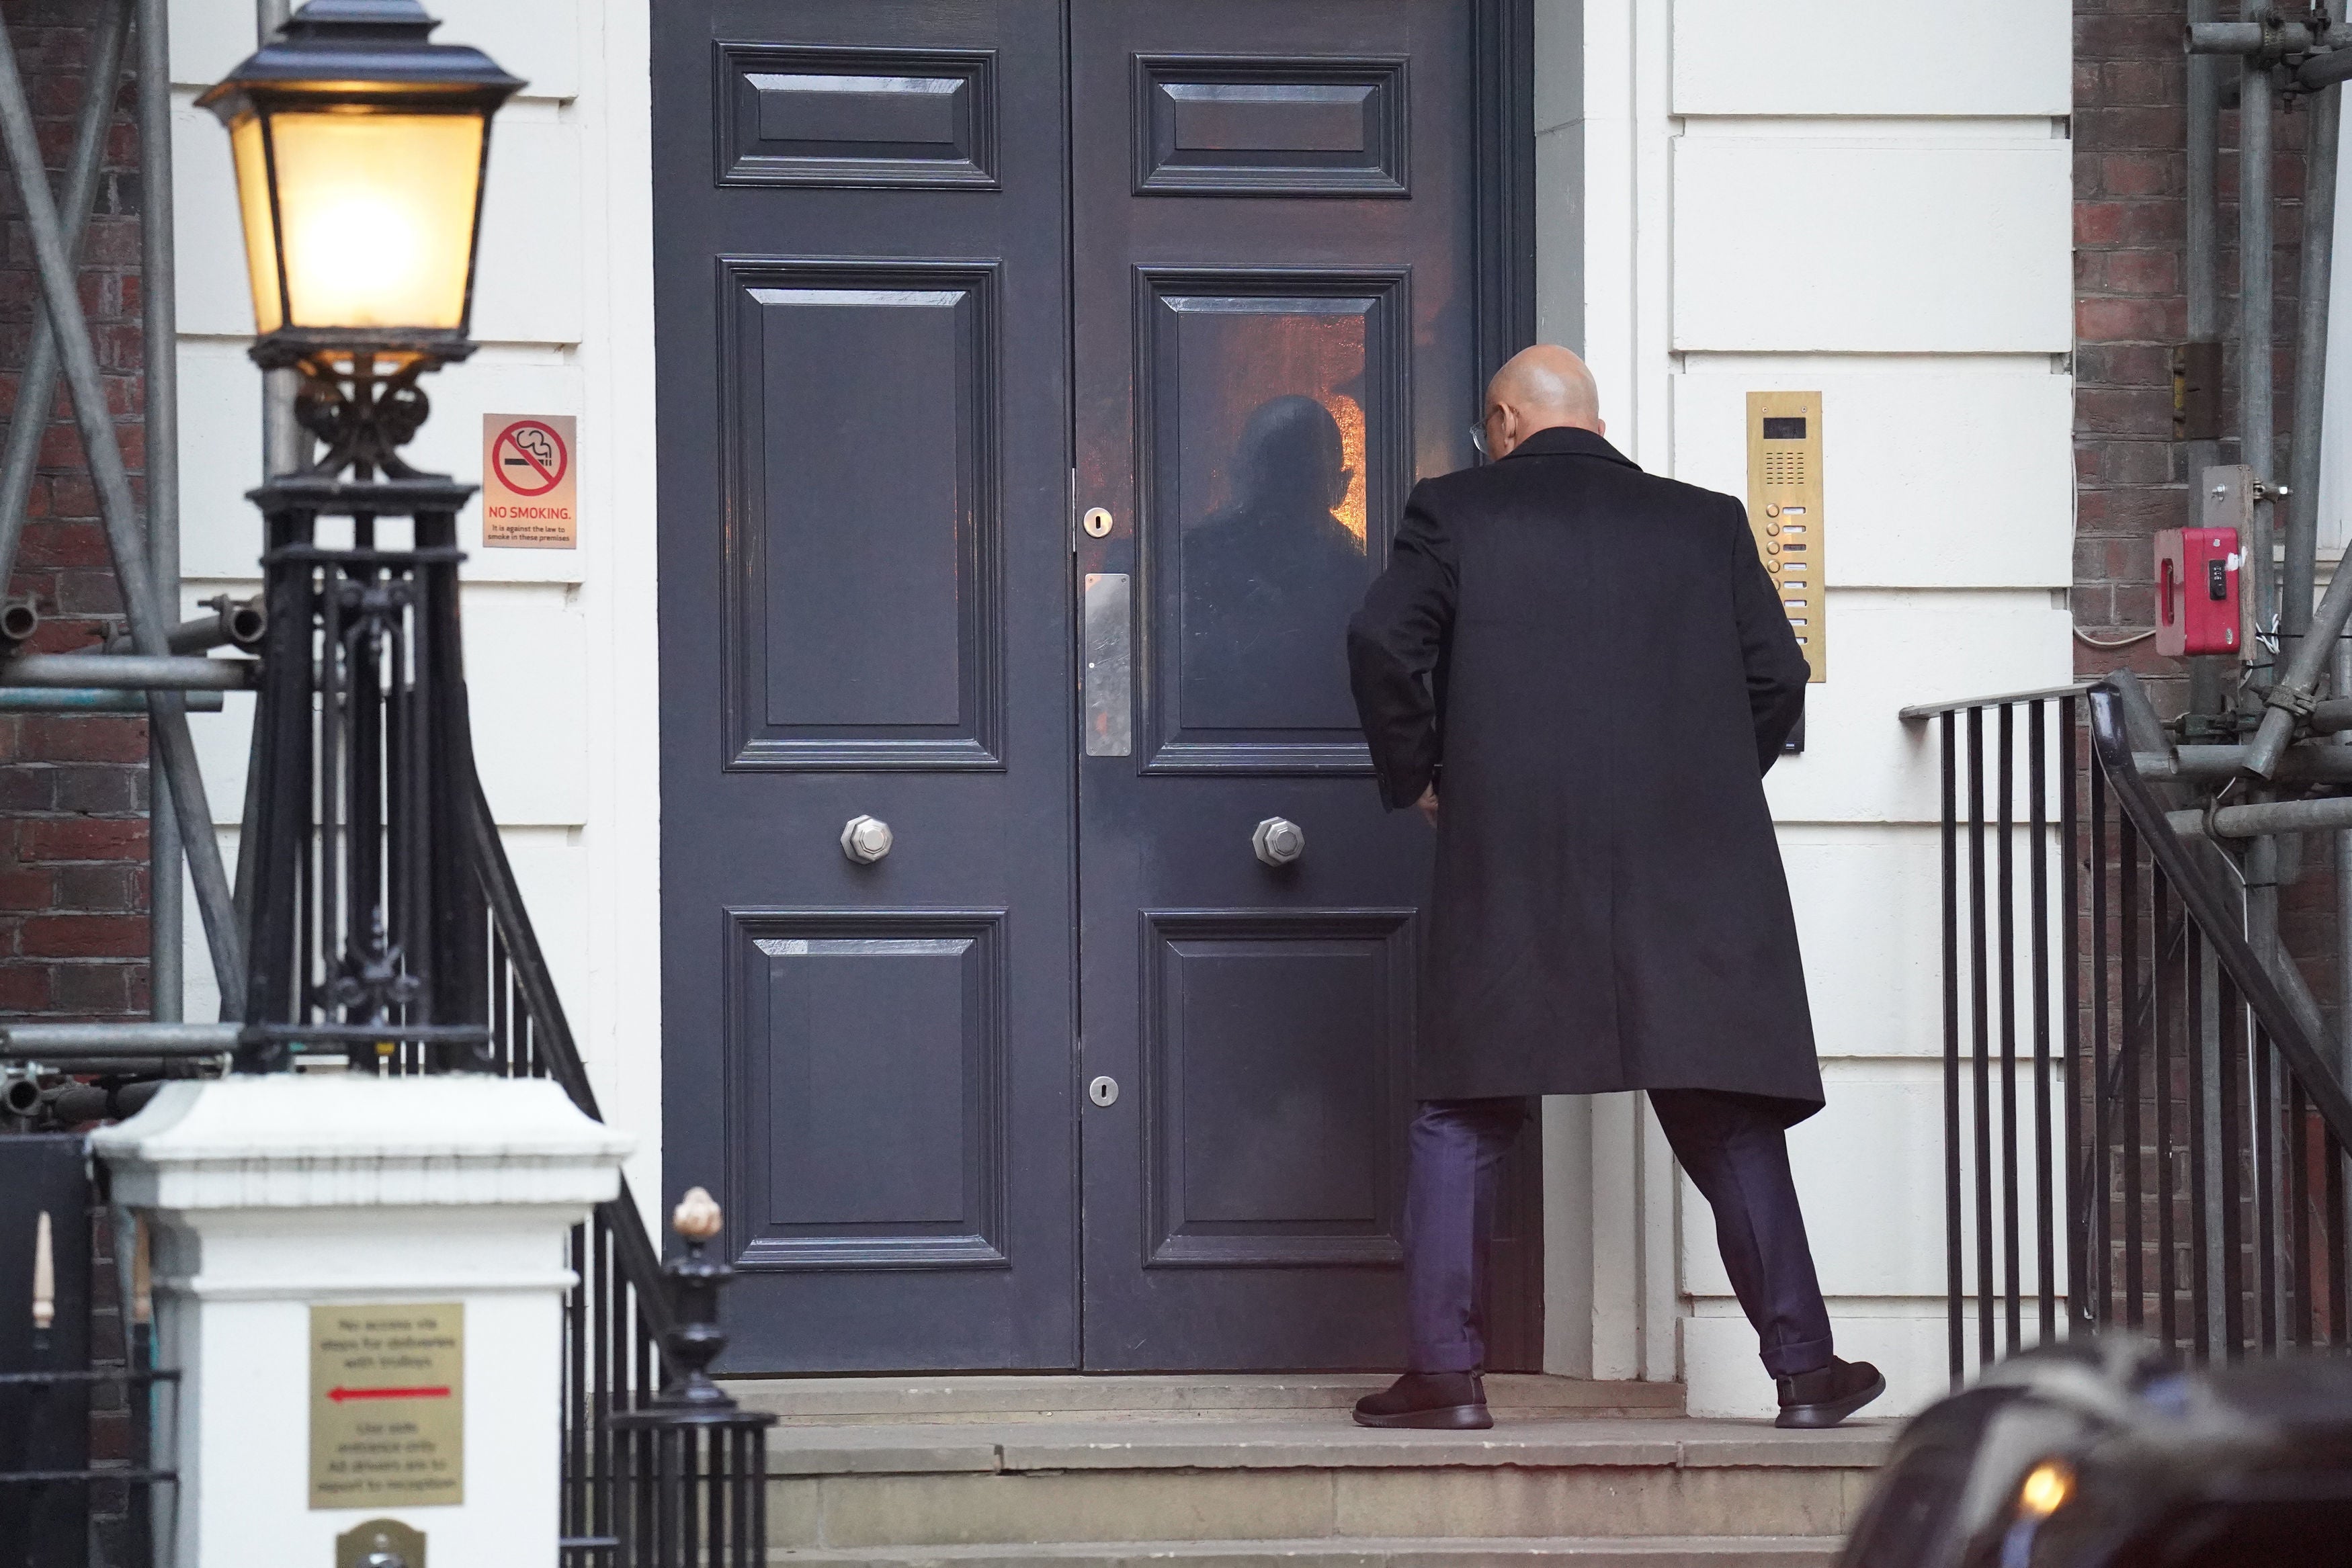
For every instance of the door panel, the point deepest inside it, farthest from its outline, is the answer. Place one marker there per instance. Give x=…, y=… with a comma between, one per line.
x=1268, y=1042
x=864, y=569
x=1292, y=126
x=922, y=994
x=916, y=119
x=1264, y=396
x=1275, y=331
x=877, y=651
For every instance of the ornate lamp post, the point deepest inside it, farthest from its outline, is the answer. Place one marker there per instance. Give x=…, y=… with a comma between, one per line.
x=360, y=150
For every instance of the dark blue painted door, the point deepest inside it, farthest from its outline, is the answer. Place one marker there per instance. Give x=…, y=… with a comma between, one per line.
x=936, y=281
x=860, y=221
x=1276, y=335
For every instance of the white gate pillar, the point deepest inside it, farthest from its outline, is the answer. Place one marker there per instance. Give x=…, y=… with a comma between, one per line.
x=361, y=1280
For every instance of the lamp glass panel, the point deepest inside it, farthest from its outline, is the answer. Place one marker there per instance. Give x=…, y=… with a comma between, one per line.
x=378, y=210
x=253, y=199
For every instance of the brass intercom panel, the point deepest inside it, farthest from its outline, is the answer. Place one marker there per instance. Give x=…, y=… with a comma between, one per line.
x=1784, y=508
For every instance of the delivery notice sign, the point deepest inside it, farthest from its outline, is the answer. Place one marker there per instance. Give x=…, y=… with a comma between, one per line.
x=530, y=481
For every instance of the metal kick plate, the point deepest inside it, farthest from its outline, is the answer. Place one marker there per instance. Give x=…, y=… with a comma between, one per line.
x=1109, y=685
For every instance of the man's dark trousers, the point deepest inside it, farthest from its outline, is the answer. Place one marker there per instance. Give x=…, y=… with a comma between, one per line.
x=1734, y=1147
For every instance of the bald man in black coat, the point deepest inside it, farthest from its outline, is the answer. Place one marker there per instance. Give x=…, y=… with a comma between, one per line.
x=1588, y=668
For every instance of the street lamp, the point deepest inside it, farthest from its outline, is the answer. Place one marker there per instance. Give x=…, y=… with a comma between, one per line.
x=360, y=149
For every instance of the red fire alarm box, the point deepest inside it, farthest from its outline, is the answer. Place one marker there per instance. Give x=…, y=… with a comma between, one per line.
x=2197, y=592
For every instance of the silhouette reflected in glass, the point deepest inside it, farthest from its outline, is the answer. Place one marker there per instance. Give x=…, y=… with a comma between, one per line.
x=1270, y=579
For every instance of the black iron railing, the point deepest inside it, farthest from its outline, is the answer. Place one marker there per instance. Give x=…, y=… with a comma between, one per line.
x=80, y=1472
x=633, y=1467
x=2119, y=1062
x=2004, y=1072
x=646, y=1483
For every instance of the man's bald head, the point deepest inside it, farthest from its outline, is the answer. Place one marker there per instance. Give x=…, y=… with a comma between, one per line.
x=1541, y=388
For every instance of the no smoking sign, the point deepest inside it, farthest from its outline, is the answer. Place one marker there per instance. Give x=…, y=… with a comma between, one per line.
x=530, y=488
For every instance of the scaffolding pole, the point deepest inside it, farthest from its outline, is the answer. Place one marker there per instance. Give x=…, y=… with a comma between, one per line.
x=160, y=342
x=150, y=627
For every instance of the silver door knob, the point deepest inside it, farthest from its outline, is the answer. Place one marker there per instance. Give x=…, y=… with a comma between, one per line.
x=1279, y=841
x=866, y=840
x=1103, y=1092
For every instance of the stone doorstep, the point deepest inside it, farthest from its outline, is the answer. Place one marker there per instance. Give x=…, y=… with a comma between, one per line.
x=1588, y=1551
x=1013, y=1396
x=919, y=1490
x=1315, y=1441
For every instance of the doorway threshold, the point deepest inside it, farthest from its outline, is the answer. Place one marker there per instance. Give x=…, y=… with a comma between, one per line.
x=997, y=1397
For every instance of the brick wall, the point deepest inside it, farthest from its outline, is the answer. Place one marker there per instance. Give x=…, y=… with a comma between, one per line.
x=73, y=790
x=2130, y=212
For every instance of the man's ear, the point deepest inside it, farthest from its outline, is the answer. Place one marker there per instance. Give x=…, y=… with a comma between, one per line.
x=1600, y=426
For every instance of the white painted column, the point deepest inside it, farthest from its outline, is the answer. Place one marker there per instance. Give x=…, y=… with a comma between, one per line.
x=270, y=1195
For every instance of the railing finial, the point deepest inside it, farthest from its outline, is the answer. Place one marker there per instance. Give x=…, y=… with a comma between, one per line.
x=695, y=1339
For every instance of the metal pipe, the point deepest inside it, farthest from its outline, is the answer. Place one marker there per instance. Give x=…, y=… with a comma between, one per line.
x=2256, y=433
x=2304, y=764
x=2260, y=871
x=2343, y=897
x=167, y=714
x=242, y=621
x=91, y=699
x=189, y=1066
x=37, y=384
x=2310, y=372
x=2297, y=684
x=2267, y=817
x=2210, y=686
x=2224, y=37
x=2249, y=37
x=2207, y=683
x=2296, y=991
x=130, y=671
x=95, y=1041
x=2294, y=687
x=2331, y=716
x=160, y=359
x=238, y=622
x=19, y=1096
x=73, y=1103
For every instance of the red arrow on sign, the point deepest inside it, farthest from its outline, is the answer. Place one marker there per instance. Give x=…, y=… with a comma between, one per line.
x=339, y=1394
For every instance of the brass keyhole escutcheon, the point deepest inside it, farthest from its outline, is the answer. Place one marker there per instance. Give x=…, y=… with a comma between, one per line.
x=1097, y=522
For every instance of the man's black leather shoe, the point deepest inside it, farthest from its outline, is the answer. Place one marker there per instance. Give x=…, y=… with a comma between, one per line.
x=1827, y=1396
x=1451, y=1401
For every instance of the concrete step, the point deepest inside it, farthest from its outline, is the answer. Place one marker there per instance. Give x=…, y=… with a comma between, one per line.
x=1587, y=1552
x=1000, y=1398
x=878, y=1487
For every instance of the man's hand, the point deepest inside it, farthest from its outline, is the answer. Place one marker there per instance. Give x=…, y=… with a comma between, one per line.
x=1427, y=804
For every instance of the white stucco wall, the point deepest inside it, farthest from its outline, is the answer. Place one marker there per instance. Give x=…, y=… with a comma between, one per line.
x=1792, y=197
x=559, y=644
x=1732, y=198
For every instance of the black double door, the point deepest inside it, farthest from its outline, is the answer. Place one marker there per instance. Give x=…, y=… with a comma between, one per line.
x=1039, y=385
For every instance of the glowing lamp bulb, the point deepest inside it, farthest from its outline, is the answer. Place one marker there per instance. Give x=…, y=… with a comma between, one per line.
x=360, y=147
x=2045, y=1490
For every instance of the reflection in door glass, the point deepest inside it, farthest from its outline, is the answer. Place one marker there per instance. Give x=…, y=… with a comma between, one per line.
x=1274, y=554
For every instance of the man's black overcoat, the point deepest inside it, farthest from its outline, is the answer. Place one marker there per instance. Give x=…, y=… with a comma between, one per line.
x=1593, y=667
